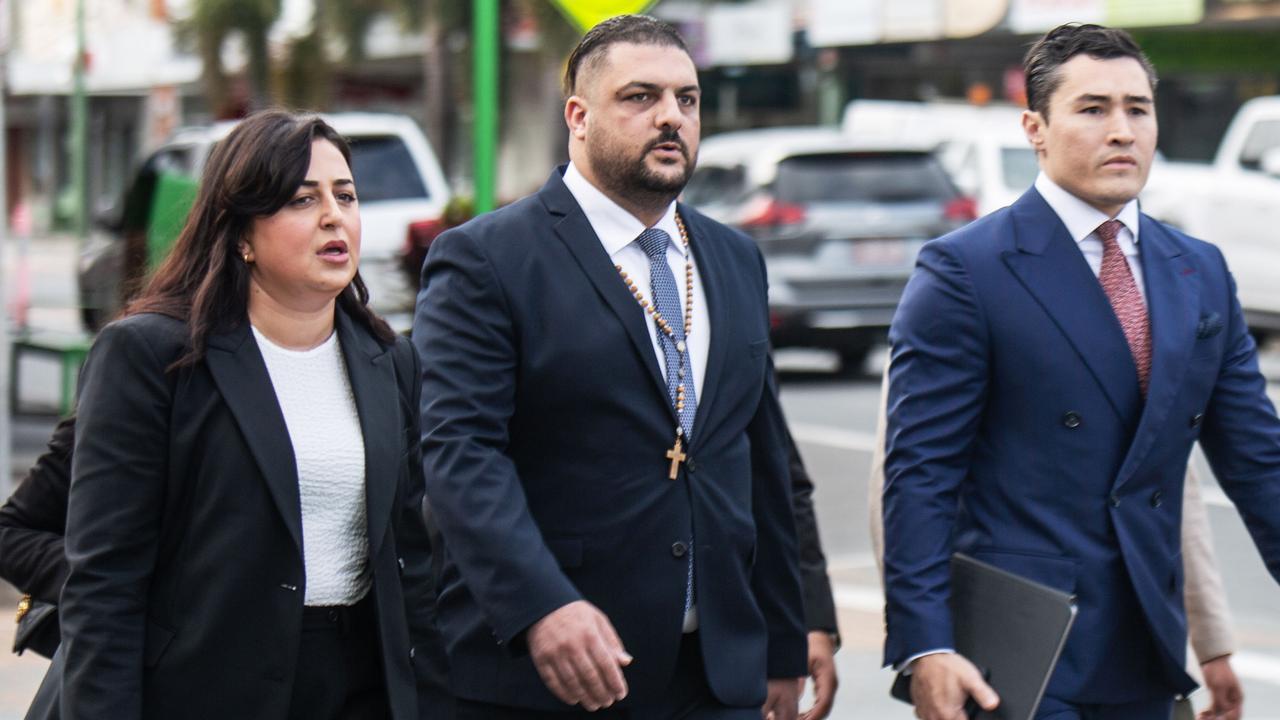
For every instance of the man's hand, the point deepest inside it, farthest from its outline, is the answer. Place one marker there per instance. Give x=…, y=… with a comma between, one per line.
x=941, y=683
x=1224, y=691
x=579, y=656
x=783, y=702
x=822, y=669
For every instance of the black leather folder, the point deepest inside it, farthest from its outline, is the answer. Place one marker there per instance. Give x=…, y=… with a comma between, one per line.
x=1012, y=628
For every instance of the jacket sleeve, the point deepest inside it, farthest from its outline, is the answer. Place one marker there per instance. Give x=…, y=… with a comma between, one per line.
x=938, y=380
x=819, y=605
x=1208, y=618
x=775, y=578
x=113, y=522
x=464, y=332
x=418, y=578
x=875, y=479
x=1241, y=434
x=32, y=551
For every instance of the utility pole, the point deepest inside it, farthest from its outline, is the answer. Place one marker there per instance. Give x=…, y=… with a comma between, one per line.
x=80, y=130
x=485, y=42
x=6, y=352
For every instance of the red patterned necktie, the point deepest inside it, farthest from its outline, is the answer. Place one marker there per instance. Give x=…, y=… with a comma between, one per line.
x=1126, y=301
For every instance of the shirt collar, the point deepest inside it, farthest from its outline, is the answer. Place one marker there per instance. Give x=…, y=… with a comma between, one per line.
x=1080, y=217
x=615, y=227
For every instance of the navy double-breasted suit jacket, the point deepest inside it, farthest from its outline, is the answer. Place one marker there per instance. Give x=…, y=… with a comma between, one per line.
x=1018, y=434
x=545, y=424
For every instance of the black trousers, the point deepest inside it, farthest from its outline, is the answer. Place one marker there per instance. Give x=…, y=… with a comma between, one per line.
x=688, y=698
x=339, y=674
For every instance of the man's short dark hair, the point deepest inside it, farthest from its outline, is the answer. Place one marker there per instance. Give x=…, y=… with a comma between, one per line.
x=1065, y=42
x=636, y=29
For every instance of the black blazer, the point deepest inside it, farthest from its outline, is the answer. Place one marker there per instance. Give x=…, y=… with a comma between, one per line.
x=33, y=519
x=546, y=420
x=186, y=588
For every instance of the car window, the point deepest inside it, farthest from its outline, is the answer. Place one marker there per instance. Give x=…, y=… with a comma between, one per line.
x=384, y=169
x=1019, y=167
x=960, y=161
x=176, y=159
x=1264, y=136
x=862, y=177
x=710, y=185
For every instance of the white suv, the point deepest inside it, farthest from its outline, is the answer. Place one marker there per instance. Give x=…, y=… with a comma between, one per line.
x=397, y=174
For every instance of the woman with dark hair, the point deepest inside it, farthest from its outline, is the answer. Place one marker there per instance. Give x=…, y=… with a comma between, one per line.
x=245, y=532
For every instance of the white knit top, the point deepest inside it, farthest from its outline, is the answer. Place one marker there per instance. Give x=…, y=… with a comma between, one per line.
x=319, y=409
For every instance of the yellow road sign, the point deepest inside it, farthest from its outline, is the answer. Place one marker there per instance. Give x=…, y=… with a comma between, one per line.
x=586, y=13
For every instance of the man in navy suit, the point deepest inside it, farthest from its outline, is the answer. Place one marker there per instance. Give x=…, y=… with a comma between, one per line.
x=604, y=451
x=1052, y=365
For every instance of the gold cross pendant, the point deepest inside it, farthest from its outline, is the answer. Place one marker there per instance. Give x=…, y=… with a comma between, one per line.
x=676, y=457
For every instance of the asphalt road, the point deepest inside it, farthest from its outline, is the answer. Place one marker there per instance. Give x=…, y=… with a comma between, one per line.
x=833, y=418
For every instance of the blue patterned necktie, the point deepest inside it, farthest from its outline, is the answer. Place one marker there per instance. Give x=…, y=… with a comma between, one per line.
x=666, y=296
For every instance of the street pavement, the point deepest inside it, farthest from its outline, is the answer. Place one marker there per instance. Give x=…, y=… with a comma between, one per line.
x=833, y=418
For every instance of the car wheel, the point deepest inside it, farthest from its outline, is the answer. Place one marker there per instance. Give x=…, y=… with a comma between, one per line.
x=853, y=361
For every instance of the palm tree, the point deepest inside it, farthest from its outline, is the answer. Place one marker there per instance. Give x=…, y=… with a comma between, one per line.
x=212, y=22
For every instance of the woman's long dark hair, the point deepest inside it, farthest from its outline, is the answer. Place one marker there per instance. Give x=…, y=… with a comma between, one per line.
x=251, y=173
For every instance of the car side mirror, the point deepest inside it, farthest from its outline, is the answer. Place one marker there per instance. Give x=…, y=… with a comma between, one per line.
x=1269, y=162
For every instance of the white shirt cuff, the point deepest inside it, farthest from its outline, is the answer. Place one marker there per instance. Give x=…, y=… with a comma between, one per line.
x=906, y=666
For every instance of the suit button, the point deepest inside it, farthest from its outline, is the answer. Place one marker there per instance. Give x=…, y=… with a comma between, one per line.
x=400, y=562
x=1115, y=500
x=1157, y=499
x=690, y=465
x=1197, y=419
x=413, y=652
x=1071, y=419
x=678, y=549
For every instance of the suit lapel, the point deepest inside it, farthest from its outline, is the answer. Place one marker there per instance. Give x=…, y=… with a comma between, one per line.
x=1173, y=302
x=712, y=273
x=373, y=382
x=241, y=376
x=574, y=230
x=1051, y=267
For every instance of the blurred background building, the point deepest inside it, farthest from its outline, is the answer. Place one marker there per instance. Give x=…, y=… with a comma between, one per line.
x=154, y=65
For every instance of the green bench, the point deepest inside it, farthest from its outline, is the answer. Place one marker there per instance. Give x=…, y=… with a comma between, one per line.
x=68, y=348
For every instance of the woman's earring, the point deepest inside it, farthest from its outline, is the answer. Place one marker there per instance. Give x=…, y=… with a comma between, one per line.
x=246, y=258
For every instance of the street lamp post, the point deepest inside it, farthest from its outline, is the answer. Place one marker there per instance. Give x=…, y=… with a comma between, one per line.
x=6, y=469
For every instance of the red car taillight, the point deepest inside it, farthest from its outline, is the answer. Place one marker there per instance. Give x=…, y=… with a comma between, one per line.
x=961, y=209
x=772, y=213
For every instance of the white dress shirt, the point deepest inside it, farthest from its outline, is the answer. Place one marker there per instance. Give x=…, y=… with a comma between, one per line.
x=1082, y=221
x=617, y=230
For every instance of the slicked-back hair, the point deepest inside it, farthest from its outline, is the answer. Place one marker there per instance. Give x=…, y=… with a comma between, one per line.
x=251, y=173
x=634, y=29
x=1048, y=54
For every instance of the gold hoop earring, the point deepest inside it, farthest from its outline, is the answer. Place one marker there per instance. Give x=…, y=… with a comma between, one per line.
x=246, y=258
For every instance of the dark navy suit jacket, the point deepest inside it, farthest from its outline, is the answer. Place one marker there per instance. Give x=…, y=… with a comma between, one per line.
x=1018, y=434
x=545, y=424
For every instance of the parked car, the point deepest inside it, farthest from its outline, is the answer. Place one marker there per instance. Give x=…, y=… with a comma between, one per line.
x=983, y=148
x=396, y=172
x=1234, y=203
x=839, y=222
